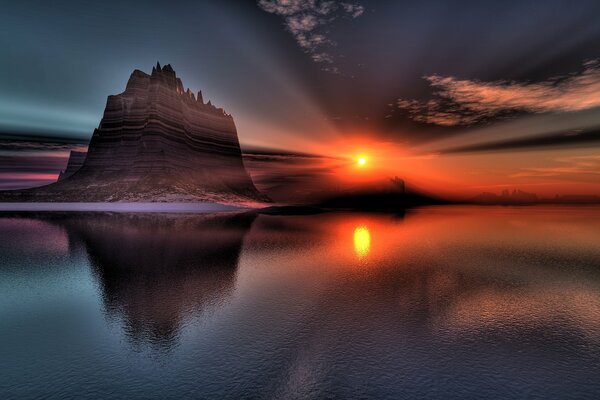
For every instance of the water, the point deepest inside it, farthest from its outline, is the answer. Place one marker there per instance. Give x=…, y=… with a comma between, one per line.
x=448, y=302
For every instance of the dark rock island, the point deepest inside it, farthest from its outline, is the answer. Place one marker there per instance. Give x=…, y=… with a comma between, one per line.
x=156, y=142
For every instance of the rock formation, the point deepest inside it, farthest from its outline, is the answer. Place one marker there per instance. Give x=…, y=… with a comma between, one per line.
x=76, y=159
x=156, y=142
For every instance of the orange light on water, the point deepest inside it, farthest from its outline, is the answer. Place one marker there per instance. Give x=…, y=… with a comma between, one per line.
x=362, y=241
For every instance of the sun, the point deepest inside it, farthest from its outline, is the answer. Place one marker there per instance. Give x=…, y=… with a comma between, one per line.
x=362, y=161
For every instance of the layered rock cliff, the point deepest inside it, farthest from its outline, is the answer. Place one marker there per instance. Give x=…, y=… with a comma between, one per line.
x=76, y=160
x=157, y=142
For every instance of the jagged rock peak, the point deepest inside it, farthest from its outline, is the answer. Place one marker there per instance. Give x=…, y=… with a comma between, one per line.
x=165, y=76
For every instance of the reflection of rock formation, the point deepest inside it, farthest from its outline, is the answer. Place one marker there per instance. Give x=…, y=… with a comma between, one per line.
x=155, y=270
x=156, y=142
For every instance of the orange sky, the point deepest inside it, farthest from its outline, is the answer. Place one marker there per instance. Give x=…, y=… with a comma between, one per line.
x=544, y=172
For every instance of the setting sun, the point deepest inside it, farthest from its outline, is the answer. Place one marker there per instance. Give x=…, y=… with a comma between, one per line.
x=362, y=161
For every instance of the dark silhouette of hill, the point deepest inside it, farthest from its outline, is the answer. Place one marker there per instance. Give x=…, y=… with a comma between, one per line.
x=391, y=196
x=380, y=201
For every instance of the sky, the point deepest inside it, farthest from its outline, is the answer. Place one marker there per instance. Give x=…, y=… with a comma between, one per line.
x=455, y=97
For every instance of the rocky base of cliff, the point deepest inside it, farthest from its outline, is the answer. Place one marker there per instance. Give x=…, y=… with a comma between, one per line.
x=129, y=193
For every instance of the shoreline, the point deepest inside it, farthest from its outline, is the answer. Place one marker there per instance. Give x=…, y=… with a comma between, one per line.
x=125, y=207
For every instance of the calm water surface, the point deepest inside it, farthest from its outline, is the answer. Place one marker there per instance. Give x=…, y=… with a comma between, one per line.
x=448, y=302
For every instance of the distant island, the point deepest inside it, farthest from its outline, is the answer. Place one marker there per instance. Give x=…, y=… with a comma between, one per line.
x=156, y=142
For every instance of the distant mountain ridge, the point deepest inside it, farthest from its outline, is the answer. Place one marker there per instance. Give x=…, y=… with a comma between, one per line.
x=156, y=142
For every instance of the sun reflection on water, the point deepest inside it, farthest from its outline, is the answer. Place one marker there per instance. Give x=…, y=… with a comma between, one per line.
x=362, y=241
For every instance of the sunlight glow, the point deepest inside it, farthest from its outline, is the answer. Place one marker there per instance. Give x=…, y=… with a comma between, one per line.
x=362, y=241
x=362, y=161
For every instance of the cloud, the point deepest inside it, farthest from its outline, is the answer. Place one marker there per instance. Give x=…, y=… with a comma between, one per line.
x=24, y=181
x=10, y=141
x=29, y=169
x=262, y=152
x=322, y=57
x=465, y=102
x=28, y=161
x=17, y=145
x=305, y=19
x=355, y=10
x=571, y=138
x=567, y=167
x=33, y=163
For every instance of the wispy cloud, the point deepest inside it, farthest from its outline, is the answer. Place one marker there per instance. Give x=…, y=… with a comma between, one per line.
x=26, y=146
x=29, y=161
x=305, y=20
x=30, y=169
x=565, y=167
x=24, y=181
x=465, y=102
x=26, y=142
x=572, y=138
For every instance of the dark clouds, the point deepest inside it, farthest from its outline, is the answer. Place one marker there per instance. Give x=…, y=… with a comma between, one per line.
x=21, y=142
x=32, y=163
x=30, y=160
x=568, y=139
